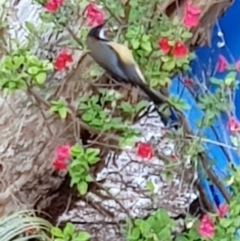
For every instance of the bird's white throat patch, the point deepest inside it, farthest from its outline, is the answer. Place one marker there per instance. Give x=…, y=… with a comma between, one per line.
x=102, y=34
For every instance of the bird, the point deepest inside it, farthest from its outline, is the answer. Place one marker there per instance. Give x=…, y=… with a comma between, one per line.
x=117, y=60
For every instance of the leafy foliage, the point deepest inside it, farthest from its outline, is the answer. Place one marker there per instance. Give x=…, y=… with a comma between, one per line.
x=17, y=226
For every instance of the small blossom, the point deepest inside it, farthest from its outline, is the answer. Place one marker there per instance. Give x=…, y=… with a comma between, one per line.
x=191, y=15
x=94, y=15
x=179, y=50
x=164, y=45
x=62, y=154
x=222, y=210
x=62, y=59
x=53, y=5
x=144, y=150
x=233, y=125
x=60, y=164
x=174, y=157
x=206, y=227
x=238, y=65
x=188, y=82
x=221, y=63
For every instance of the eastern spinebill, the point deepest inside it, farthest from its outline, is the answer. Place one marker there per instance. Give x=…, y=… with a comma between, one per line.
x=118, y=61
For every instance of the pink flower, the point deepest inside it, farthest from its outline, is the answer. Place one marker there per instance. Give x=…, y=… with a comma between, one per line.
x=59, y=164
x=188, y=82
x=62, y=154
x=222, y=210
x=62, y=59
x=53, y=5
x=206, y=227
x=144, y=150
x=179, y=50
x=94, y=15
x=221, y=63
x=233, y=125
x=164, y=45
x=191, y=15
x=238, y=65
x=174, y=157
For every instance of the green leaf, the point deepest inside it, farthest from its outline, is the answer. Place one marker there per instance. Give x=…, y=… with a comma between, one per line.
x=88, y=178
x=33, y=70
x=225, y=222
x=149, y=186
x=230, y=78
x=83, y=236
x=169, y=65
x=92, y=151
x=76, y=150
x=146, y=46
x=69, y=229
x=63, y=112
x=186, y=35
x=145, y=228
x=135, y=233
x=216, y=81
x=87, y=117
x=93, y=160
x=74, y=179
x=82, y=187
x=40, y=78
x=92, y=155
x=126, y=107
x=175, y=21
x=135, y=44
x=18, y=60
x=57, y=232
x=141, y=105
x=165, y=58
x=31, y=28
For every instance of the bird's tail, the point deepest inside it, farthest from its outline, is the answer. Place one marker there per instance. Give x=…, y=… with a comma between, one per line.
x=158, y=99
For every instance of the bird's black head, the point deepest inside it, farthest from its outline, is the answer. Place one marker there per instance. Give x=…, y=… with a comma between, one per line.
x=98, y=32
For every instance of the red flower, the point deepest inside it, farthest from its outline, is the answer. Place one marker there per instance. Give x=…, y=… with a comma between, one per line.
x=233, y=125
x=62, y=59
x=59, y=164
x=206, y=227
x=221, y=63
x=222, y=210
x=62, y=154
x=191, y=15
x=53, y=5
x=174, y=157
x=188, y=82
x=94, y=15
x=144, y=150
x=179, y=50
x=163, y=45
x=238, y=65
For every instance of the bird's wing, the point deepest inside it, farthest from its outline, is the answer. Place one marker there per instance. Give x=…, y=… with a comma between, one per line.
x=127, y=62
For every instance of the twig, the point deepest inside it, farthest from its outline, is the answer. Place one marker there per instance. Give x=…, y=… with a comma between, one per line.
x=212, y=142
x=213, y=177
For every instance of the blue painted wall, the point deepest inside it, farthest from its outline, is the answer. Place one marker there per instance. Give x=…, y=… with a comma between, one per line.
x=204, y=67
